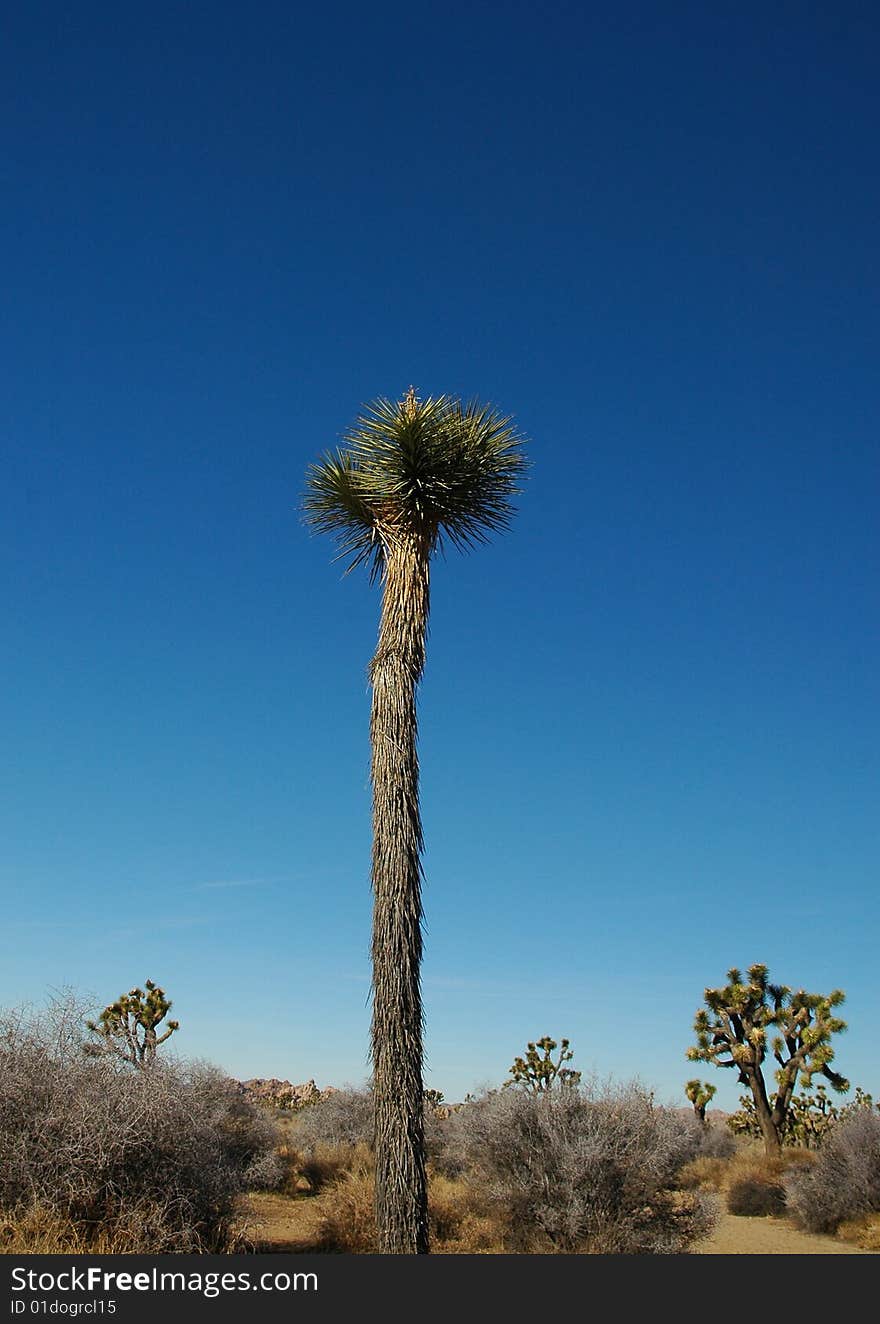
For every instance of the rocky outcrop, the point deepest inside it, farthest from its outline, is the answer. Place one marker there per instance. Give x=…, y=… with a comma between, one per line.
x=281, y=1093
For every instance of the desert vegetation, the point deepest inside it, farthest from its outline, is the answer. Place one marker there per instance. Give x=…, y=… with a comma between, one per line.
x=99, y=1155
x=732, y=1032
x=841, y=1187
x=537, y=1071
x=128, y=1027
x=549, y=1163
x=102, y=1152
x=583, y=1168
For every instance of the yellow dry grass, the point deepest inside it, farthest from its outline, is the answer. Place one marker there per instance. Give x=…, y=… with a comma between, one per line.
x=862, y=1232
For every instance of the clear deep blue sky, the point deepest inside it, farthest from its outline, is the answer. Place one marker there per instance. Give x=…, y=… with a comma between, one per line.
x=649, y=722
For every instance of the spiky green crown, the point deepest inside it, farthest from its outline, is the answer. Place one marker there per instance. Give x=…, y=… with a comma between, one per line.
x=439, y=468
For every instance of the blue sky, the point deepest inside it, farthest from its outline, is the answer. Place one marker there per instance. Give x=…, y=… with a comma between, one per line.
x=649, y=721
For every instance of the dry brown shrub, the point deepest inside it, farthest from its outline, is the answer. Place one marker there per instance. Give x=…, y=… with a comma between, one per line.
x=757, y=1196
x=41, y=1231
x=704, y=1174
x=291, y=1181
x=843, y=1183
x=95, y=1154
x=327, y=1164
x=460, y=1223
x=590, y=1170
x=795, y=1158
x=755, y=1183
x=38, y=1231
x=348, y=1224
x=864, y=1232
x=752, y=1160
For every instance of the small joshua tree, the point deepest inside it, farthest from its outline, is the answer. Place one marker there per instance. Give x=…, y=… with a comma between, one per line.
x=127, y=1028
x=811, y=1118
x=733, y=1033
x=538, y=1073
x=701, y=1094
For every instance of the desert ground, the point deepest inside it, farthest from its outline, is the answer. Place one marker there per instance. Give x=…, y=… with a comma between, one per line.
x=769, y=1236
x=291, y=1225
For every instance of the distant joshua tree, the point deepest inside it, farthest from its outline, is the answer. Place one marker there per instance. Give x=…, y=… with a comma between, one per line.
x=701, y=1095
x=409, y=478
x=733, y=1033
x=127, y=1027
x=537, y=1072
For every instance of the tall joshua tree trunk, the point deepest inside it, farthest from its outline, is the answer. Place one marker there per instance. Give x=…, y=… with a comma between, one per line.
x=409, y=478
x=401, y=1187
x=770, y=1130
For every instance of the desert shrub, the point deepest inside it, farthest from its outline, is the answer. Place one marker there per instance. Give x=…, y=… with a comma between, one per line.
x=715, y=1142
x=702, y=1173
x=586, y=1169
x=863, y=1232
x=143, y=1161
x=445, y=1143
x=843, y=1183
x=459, y=1222
x=323, y=1165
x=247, y=1136
x=348, y=1224
x=344, y=1117
x=758, y=1195
x=37, y=1231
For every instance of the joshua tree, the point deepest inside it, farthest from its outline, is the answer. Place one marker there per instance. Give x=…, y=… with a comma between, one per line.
x=733, y=1033
x=538, y=1073
x=701, y=1095
x=811, y=1117
x=409, y=478
x=127, y=1028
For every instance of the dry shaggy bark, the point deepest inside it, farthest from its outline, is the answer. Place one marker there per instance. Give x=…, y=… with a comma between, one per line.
x=401, y=1184
x=409, y=477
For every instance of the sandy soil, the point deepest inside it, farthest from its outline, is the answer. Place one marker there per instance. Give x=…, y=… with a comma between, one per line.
x=279, y=1223
x=735, y=1235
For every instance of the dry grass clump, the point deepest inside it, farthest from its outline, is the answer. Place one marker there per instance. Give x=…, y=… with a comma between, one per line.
x=329, y=1164
x=863, y=1232
x=751, y=1184
x=96, y=1155
x=459, y=1225
x=348, y=1224
x=39, y=1231
x=704, y=1174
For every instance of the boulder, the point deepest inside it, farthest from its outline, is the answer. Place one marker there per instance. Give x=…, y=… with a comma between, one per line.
x=274, y=1093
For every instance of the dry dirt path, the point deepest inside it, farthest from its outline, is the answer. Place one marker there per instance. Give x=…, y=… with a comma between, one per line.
x=735, y=1235
x=281, y=1224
